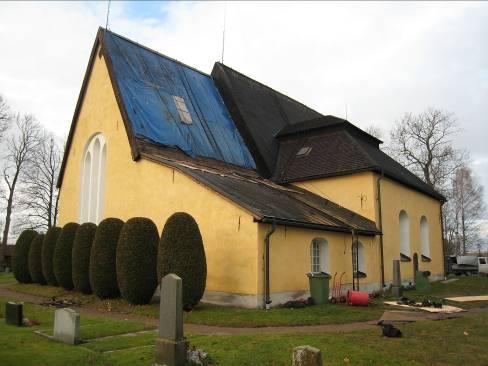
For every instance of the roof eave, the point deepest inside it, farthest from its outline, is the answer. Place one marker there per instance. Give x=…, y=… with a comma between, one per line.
x=308, y=225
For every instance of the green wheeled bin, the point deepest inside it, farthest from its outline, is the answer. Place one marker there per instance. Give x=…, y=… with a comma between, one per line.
x=319, y=287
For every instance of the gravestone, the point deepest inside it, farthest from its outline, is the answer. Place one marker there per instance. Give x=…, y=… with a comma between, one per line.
x=13, y=313
x=396, y=289
x=171, y=346
x=67, y=326
x=422, y=283
x=306, y=356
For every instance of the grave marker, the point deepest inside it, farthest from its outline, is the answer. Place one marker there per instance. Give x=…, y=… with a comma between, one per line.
x=396, y=289
x=306, y=356
x=67, y=326
x=171, y=346
x=13, y=313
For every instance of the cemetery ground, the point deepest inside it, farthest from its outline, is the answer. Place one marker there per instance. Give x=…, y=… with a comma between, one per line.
x=111, y=340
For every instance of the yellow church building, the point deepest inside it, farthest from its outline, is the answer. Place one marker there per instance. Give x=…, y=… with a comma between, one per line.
x=277, y=189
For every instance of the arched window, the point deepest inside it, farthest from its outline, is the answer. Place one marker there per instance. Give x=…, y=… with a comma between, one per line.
x=404, y=234
x=319, y=256
x=93, y=180
x=358, y=262
x=424, y=236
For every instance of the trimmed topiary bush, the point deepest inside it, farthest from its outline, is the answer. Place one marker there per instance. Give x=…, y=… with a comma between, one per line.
x=35, y=260
x=103, y=276
x=62, y=256
x=181, y=252
x=136, y=260
x=48, y=247
x=20, y=260
x=81, y=257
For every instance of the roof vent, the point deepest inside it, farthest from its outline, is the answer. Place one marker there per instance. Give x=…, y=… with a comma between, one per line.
x=304, y=151
x=185, y=116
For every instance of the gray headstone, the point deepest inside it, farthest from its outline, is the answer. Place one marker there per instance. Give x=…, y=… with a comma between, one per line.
x=171, y=347
x=397, y=278
x=171, y=308
x=396, y=288
x=306, y=356
x=67, y=326
x=13, y=313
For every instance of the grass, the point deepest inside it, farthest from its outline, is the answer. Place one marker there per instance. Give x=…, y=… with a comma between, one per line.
x=236, y=317
x=464, y=286
x=450, y=342
x=221, y=315
x=7, y=277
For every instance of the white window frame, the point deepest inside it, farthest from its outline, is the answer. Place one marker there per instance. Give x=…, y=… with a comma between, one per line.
x=358, y=263
x=319, y=256
x=92, y=185
x=404, y=232
x=424, y=236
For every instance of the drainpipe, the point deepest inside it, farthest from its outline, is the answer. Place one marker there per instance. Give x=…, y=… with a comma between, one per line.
x=380, y=223
x=267, y=298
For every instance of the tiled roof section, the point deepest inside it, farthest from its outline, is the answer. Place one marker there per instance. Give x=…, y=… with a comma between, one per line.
x=330, y=154
x=267, y=201
x=259, y=113
x=340, y=152
x=311, y=125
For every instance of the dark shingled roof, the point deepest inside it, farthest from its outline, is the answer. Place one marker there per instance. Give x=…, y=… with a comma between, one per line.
x=275, y=127
x=339, y=152
x=259, y=113
x=267, y=201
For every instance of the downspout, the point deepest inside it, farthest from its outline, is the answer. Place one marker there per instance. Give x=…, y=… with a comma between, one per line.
x=267, y=297
x=380, y=223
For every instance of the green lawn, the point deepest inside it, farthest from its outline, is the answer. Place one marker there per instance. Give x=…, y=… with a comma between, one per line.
x=424, y=343
x=235, y=317
x=6, y=277
x=464, y=286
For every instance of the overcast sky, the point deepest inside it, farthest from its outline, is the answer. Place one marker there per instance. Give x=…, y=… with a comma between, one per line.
x=378, y=59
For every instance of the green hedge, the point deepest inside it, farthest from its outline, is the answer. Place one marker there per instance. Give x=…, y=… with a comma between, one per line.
x=48, y=247
x=103, y=276
x=181, y=252
x=20, y=260
x=35, y=260
x=136, y=260
x=62, y=256
x=81, y=257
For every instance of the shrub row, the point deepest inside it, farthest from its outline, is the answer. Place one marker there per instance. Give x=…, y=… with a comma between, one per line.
x=115, y=258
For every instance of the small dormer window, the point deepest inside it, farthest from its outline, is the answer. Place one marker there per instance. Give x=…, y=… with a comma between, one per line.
x=304, y=151
x=180, y=104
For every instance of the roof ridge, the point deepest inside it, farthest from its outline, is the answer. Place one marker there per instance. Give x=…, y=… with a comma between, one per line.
x=154, y=51
x=268, y=87
x=371, y=160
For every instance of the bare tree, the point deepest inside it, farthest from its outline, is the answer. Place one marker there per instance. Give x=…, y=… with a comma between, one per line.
x=374, y=131
x=39, y=195
x=21, y=146
x=423, y=143
x=5, y=116
x=467, y=209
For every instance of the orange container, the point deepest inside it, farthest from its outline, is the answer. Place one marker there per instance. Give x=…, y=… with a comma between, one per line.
x=357, y=298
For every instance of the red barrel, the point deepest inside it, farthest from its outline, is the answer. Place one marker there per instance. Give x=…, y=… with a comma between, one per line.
x=357, y=298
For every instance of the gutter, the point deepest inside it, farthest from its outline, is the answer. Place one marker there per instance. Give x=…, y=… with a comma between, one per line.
x=267, y=297
x=306, y=225
x=380, y=223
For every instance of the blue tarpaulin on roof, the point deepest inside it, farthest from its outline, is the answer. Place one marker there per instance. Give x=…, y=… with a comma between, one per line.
x=148, y=82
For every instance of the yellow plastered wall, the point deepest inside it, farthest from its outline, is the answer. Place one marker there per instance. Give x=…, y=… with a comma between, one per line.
x=147, y=189
x=290, y=257
x=394, y=198
x=355, y=192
